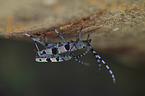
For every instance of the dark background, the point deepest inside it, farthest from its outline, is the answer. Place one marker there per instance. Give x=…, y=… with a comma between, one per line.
x=20, y=75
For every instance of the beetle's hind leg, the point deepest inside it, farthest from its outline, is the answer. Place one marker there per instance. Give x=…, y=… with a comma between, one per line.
x=60, y=35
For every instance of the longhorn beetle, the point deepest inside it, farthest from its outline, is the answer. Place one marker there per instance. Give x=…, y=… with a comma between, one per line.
x=53, y=52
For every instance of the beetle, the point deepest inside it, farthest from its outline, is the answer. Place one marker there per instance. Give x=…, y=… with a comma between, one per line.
x=63, y=51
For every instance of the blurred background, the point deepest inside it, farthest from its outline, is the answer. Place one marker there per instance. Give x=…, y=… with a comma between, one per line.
x=120, y=42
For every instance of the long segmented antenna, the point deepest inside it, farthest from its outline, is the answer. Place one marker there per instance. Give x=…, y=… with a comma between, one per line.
x=60, y=35
x=87, y=64
x=34, y=39
x=98, y=58
x=79, y=56
x=76, y=57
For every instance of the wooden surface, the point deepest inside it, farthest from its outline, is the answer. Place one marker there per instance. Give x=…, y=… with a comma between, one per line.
x=115, y=26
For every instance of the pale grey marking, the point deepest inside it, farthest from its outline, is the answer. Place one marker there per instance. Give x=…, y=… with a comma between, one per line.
x=87, y=50
x=42, y=59
x=90, y=47
x=107, y=67
x=112, y=76
x=96, y=56
x=53, y=60
x=26, y=34
x=67, y=57
x=86, y=64
x=99, y=57
x=103, y=61
x=110, y=72
x=99, y=65
x=48, y=51
x=114, y=81
x=94, y=52
x=73, y=48
x=61, y=49
x=48, y=45
x=60, y=59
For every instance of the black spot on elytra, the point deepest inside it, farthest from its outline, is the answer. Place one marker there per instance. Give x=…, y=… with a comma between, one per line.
x=92, y=49
x=57, y=58
x=67, y=46
x=62, y=58
x=39, y=59
x=44, y=52
x=38, y=34
x=31, y=36
x=48, y=59
x=59, y=44
x=54, y=50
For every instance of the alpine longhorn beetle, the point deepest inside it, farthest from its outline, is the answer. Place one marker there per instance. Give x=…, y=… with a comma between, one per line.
x=53, y=52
